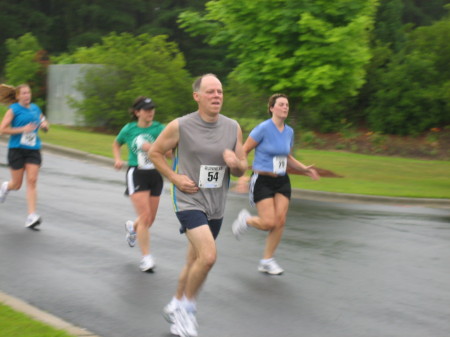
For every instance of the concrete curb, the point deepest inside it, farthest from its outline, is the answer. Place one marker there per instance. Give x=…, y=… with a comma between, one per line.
x=372, y=199
x=77, y=154
x=43, y=316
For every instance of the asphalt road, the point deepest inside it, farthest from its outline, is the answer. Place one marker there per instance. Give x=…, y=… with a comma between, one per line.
x=351, y=269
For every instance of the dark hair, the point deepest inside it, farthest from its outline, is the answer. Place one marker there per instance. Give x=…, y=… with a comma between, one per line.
x=142, y=102
x=198, y=82
x=273, y=100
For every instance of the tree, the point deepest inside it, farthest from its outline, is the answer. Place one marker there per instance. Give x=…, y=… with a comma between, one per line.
x=133, y=66
x=62, y=26
x=423, y=13
x=414, y=92
x=27, y=63
x=314, y=51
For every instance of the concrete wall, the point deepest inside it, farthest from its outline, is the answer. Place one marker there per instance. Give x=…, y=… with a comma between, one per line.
x=61, y=82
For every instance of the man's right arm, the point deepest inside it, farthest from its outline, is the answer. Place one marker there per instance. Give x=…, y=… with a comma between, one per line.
x=166, y=141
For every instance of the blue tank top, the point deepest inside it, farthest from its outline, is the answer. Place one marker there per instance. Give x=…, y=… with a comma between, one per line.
x=272, y=147
x=22, y=117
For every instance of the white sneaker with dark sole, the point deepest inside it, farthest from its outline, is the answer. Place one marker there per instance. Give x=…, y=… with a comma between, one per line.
x=271, y=268
x=147, y=264
x=33, y=220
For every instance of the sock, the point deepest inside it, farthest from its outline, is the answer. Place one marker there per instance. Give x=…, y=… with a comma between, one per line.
x=264, y=261
x=175, y=301
x=189, y=305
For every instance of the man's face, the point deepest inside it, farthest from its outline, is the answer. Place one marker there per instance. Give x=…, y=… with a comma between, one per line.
x=210, y=95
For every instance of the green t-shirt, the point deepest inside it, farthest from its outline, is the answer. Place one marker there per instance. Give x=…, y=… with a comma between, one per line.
x=134, y=136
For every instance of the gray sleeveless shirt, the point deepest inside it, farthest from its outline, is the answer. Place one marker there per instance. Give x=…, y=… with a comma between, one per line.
x=199, y=155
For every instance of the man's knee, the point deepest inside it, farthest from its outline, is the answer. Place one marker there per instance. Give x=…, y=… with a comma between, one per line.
x=207, y=259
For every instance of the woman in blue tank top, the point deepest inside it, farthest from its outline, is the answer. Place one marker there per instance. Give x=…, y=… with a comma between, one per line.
x=22, y=121
x=270, y=187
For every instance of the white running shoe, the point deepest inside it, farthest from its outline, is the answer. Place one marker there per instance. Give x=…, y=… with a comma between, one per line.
x=271, y=267
x=131, y=234
x=174, y=330
x=169, y=312
x=147, y=263
x=33, y=220
x=185, y=322
x=3, y=191
x=240, y=226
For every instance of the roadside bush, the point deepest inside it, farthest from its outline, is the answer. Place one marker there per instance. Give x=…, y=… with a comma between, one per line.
x=134, y=66
x=414, y=92
x=27, y=63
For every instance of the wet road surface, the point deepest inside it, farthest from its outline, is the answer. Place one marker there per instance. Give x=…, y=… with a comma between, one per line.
x=351, y=269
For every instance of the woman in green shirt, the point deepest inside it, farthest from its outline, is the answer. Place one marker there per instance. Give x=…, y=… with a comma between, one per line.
x=143, y=181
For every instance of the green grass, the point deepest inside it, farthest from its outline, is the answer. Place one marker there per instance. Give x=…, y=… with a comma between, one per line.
x=377, y=175
x=96, y=143
x=16, y=324
x=362, y=174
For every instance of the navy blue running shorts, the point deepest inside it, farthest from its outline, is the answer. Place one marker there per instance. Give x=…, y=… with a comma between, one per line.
x=193, y=218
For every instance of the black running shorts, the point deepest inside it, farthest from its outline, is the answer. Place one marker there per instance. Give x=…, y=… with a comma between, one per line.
x=138, y=180
x=263, y=187
x=17, y=158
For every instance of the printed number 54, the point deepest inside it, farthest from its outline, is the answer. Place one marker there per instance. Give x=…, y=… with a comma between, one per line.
x=213, y=176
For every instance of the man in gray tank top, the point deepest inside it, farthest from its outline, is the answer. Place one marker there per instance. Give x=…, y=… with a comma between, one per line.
x=208, y=148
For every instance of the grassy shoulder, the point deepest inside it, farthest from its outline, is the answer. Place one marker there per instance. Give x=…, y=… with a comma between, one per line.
x=361, y=174
x=16, y=324
x=377, y=175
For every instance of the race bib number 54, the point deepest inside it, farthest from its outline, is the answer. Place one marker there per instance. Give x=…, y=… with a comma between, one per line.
x=211, y=176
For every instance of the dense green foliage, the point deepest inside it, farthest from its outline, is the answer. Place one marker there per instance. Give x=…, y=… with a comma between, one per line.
x=131, y=67
x=64, y=25
x=380, y=64
x=313, y=51
x=414, y=89
x=24, y=66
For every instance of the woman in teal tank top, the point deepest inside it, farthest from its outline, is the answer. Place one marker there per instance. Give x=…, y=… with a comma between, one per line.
x=143, y=181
